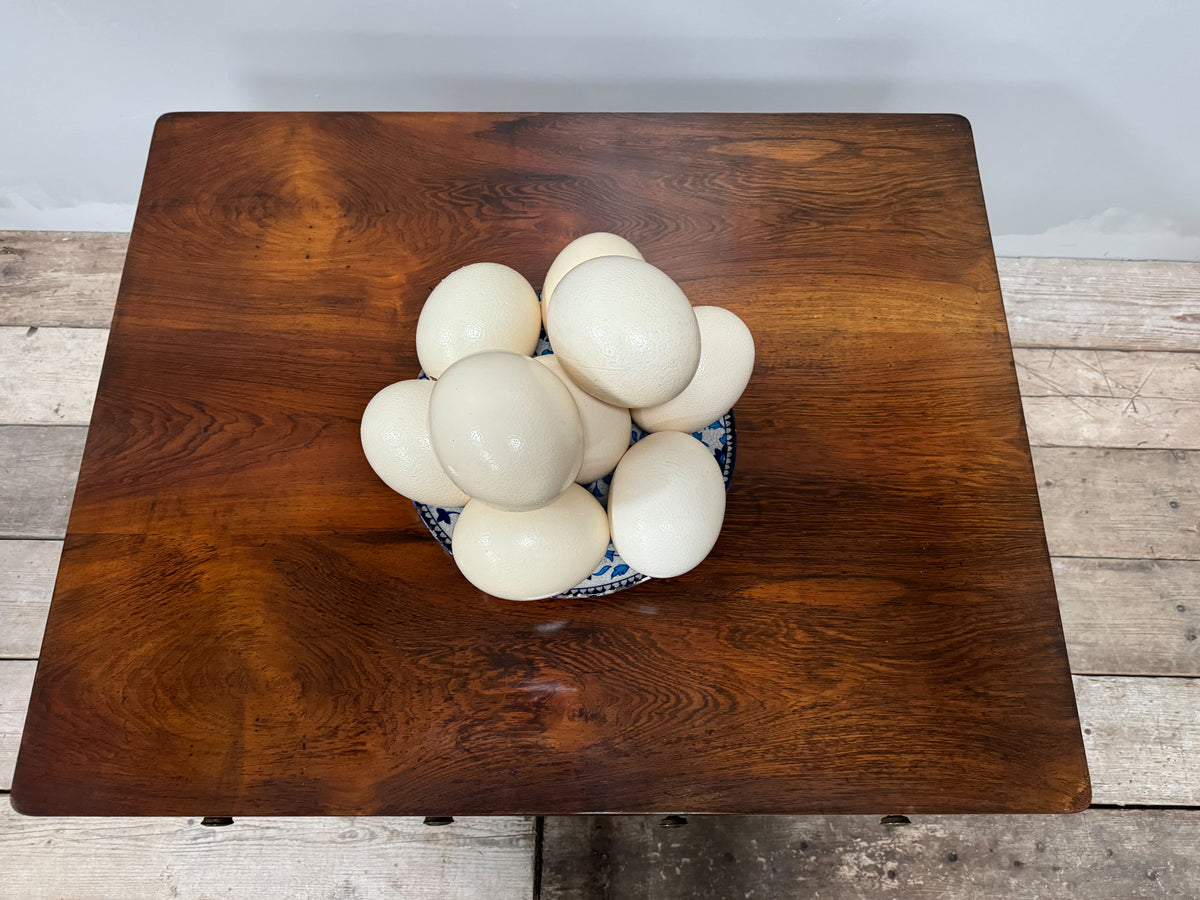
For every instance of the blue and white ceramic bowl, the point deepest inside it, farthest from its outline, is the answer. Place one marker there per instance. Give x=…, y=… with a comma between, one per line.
x=612, y=574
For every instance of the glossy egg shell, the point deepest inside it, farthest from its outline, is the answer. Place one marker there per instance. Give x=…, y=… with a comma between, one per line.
x=395, y=439
x=531, y=555
x=506, y=430
x=726, y=361
x=666, y=505
x=483, y=306
x=624, y=331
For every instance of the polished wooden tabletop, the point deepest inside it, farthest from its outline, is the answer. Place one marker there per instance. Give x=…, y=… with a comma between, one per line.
x=247, y=621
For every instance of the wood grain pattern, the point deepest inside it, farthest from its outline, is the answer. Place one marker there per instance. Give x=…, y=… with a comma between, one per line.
x=1096, y=502
x=1102, y=304
x=27, y=570
x=59, y=277
x=1141, y=735
x=290, y=641
x=1113, y=423
x=272, y=859
x=1135, y=504
x=1100, y=854
x=1120, y=616
x=71, y=278
x=1083, y=398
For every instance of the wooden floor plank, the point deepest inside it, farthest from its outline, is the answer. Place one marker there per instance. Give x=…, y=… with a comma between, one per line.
x=51, y=859
x=1098, y=398
x=1144, y=424
x=1101, y=503
x=1102, y=304
x=1114, y=374
x=16, y=681
x=60, y=277
x=1142, y=734
x=27, y=570
x=48, y=376
x=1130, y=616
x=1143, y=739
x=40, y=467
x=1095, y=855
x=1120, y=504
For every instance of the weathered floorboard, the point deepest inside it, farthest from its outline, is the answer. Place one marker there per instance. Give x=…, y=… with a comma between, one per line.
x=60, y=277
x=27, y=570
x=49, y=859
x=1143, y=739
x=16, y=681
x=1120, y=504
x=1100, y=398
x=1098, y=503
x=1110, y=374
x=1130, y=616
x=40, y=466
x=48, y=376
x=1100, y=854
x=1143, y=424
x=1101, y=304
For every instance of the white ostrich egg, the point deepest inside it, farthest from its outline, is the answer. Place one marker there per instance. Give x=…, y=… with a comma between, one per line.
x=506, y=430
x=395, y=439
x=531, y=555
x=667, y=504
x=483, y=306
x=606, y=428
x=624, y=331
x=598, y=243
x=726, y=360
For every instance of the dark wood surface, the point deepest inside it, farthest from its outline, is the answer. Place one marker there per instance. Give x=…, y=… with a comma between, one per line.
x=247, y=621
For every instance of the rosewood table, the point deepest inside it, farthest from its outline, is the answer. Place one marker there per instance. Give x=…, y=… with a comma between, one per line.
x=248, y=622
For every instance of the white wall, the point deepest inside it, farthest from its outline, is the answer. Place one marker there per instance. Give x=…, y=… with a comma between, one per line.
x=1086, y=114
